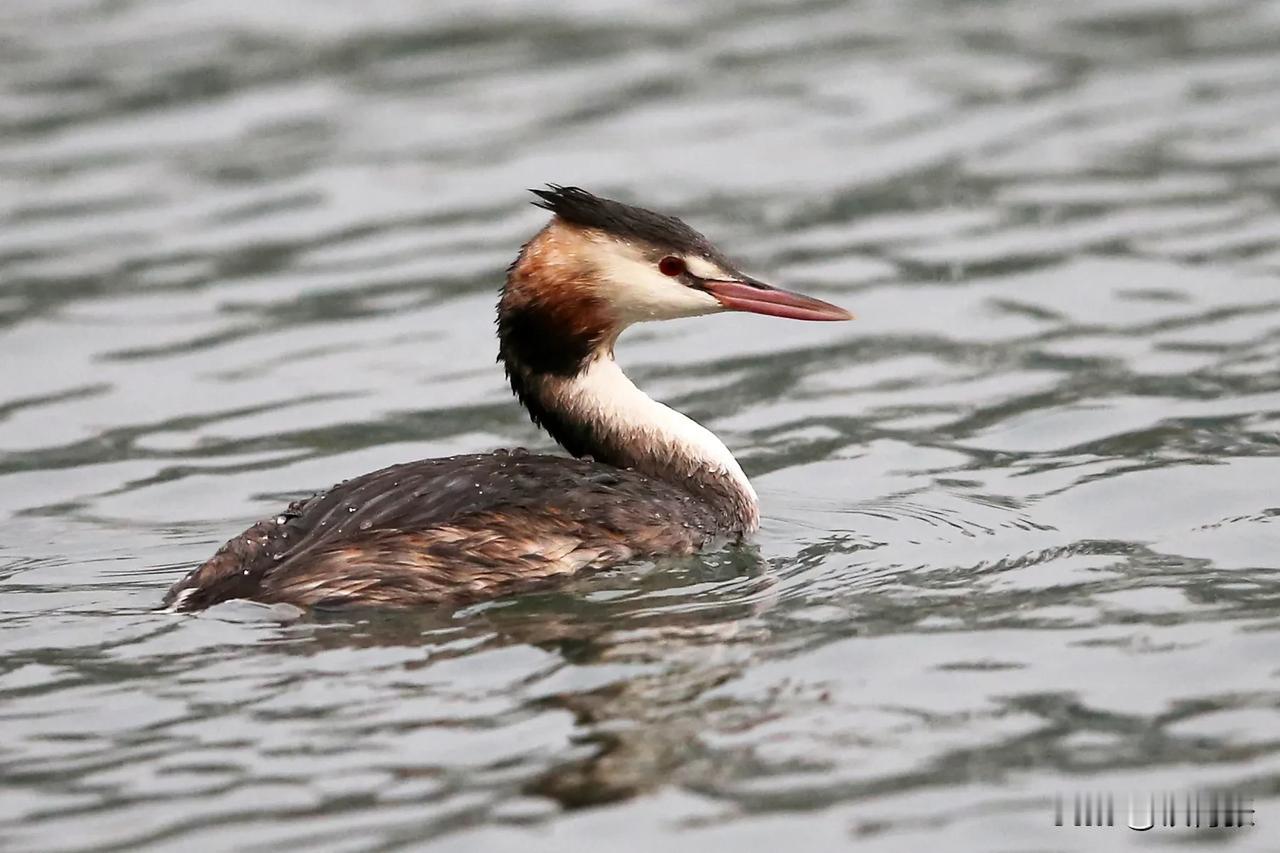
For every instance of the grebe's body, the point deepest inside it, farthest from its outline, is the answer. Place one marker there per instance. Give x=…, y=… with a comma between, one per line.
x=648, y=481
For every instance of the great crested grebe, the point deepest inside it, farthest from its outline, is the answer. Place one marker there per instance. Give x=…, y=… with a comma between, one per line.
x=647, y=481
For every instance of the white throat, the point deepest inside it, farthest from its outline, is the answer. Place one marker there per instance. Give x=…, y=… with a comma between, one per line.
x=651, y=437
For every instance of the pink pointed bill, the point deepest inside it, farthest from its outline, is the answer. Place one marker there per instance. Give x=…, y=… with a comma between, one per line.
x=759, y=298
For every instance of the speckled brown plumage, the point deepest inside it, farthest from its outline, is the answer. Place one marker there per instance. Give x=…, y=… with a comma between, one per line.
x=450, y=531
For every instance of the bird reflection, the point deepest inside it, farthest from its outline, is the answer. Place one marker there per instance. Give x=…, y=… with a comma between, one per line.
x=691, y=621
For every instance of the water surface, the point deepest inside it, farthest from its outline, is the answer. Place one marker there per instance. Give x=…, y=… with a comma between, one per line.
x=1021, y=520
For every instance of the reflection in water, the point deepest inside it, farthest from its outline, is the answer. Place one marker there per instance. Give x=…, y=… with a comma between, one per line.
x=644, y=732
x=1020, y=519
x=632, y=734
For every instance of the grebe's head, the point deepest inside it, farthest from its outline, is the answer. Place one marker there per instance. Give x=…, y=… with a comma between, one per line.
x=601, y=265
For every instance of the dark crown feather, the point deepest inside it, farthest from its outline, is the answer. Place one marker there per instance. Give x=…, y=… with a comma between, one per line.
x=625, y=221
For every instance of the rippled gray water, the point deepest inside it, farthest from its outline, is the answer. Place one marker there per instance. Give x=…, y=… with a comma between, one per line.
x=1021, y=520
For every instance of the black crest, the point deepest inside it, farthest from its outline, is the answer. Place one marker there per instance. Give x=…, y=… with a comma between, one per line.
x=625, y=221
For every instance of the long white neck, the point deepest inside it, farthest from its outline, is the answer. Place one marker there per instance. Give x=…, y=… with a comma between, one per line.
x=627, y=428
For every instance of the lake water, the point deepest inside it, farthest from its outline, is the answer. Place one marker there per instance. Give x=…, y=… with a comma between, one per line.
x=1021, y=530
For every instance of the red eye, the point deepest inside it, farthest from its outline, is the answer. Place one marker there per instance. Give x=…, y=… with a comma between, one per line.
x=671, y=265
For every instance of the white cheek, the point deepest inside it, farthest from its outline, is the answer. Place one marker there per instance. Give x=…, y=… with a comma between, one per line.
x=703, y=268
x=637, y=291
